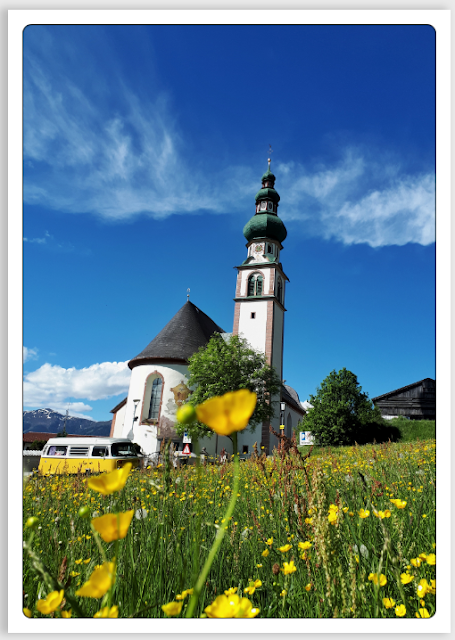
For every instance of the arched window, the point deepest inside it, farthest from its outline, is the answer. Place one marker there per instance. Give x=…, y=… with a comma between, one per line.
x=155, y=399
x=251, y=283
x=259, y=286
x=279, y=290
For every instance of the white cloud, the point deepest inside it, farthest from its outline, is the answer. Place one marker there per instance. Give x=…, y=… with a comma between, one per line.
x=54, y=387
x=360, y=200
x=29, y=354
x=80, y=158
x=74, y=409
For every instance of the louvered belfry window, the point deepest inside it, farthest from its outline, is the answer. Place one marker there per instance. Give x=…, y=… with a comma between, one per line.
x=259, y=286
x=155, y=399
x=251, y=286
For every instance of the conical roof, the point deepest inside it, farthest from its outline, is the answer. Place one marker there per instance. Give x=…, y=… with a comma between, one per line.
x=188, y=330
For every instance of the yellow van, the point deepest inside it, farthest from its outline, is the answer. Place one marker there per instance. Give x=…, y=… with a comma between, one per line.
x=86, y=455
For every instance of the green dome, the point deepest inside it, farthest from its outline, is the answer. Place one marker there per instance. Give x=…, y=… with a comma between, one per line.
x=265, y=225
x=268, y=193
x=268, y=175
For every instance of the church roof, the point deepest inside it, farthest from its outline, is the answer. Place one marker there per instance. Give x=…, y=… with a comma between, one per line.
x=290, y=396
x=188, y=330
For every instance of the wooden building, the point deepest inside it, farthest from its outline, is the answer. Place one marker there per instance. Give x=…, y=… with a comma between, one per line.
x=416, y=401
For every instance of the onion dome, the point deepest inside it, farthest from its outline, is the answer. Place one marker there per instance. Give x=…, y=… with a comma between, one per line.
x=266, y=223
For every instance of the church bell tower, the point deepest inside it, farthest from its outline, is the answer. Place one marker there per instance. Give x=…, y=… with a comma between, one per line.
x=260, y=292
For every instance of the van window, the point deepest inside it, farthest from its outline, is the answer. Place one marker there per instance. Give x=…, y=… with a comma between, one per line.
x=100, y=452
x=78, y=451
x=56, y=450
x=120, y=449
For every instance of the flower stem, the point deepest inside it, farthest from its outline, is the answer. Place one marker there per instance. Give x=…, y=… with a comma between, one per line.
x=219, y=536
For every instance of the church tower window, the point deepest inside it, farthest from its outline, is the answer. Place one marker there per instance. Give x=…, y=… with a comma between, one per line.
x=279, y=290
x=155, y=399
x=255, y=285
x=259, y=286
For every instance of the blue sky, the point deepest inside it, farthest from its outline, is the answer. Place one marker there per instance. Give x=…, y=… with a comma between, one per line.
x=143, y=149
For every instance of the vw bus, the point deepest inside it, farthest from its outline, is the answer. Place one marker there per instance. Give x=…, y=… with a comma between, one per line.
x=86, y=455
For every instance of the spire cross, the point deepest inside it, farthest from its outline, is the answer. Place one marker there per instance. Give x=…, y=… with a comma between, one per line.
x=270, y=153
x=188, y=295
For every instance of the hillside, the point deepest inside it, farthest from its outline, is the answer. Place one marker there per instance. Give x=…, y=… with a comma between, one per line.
x=48, y=421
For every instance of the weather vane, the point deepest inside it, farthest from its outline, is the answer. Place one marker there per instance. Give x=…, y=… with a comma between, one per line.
x=270, y=154
x=188, y=294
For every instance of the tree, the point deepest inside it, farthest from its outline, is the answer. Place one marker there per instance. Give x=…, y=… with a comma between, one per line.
x=341, y=412
x=229, y=365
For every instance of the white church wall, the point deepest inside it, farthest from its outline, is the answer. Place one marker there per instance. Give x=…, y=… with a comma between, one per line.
x=146, y=434
x=119, y=422
x=253, y=329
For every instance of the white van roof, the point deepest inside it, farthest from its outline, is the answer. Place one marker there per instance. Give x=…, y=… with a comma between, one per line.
x=85, y=441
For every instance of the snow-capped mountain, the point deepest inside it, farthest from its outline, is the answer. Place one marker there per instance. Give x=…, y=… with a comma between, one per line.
x=48, y=421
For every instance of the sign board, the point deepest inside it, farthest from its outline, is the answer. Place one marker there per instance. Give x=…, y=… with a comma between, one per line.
x=186, y=438
x=282, y=427
x=186, y=450
x=305, y=438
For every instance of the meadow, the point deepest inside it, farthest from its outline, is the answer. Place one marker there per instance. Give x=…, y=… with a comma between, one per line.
x=344, y=533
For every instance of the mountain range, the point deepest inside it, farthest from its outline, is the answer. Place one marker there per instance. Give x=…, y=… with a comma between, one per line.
x=48, y=421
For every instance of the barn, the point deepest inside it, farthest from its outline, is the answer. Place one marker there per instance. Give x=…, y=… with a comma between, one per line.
x=416, y=401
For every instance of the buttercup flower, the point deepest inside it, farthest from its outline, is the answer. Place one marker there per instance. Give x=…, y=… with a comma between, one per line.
x=416, y=562
x=27, y=612
x=113, y=526
x=265, y=553
x=422, y=588
x=388, y=603
x=364, y=513
x=228, y=413
x=172, y=608
x=400, y=611
x=406, y=578
x=304, y=545
x=431, y=559
x=66, y=614
x=269, y=542
x=231, y=607
x=423, y=613
x=51, y=603
x=105, y=612
x=99, y=582
x=230, y=591
x=253, y=586
x=400, y=504
x=289, y=567
x=108, y=483
x=373, y=577
x=308, y=587
x=285, y=548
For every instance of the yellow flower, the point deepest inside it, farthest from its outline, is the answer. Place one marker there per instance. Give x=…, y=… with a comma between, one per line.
x=231, y=607
x=432, y=589
x=283, y=593
x=228, y=413
x=52, y=602
x=108, y=483
x=308, y=520
x=416, y=562
x=400, y=611
x=66, y=614
x=269, y=542
x=423, y=613
x=74, y=574
x=285, y=548
x=374, y=578
x=78, y=561
x=308, y=587
x=406, y=578
x=172, y=608
x=431, y=559
x=422, y=588
x=388, y=603
x=99, y=582
x=230, y=591
x=364, y=513
x=113, y=526
x=423, y=556
x=289, y=567
x=27, y=612
x=304, y=545
x=400, y=504
x=265, y=553
x=387, y=513
x=105, y=612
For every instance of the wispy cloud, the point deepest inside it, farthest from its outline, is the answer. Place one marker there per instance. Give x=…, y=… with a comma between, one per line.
x=29, y=354
x=54, y=386
x=121, y=161
x=360, y=200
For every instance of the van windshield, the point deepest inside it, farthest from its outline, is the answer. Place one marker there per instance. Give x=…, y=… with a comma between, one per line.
x=120, y=449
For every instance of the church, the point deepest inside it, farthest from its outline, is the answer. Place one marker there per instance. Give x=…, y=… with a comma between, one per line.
x=159, y=373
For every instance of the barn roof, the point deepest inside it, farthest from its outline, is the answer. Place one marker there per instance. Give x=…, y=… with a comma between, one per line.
x=396, y=391
x=188, y=330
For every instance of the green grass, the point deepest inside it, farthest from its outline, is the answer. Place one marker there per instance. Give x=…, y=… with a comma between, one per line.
x=282, y=499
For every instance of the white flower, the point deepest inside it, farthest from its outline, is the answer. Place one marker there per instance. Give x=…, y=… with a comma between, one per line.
x=178, y=480
x=364, y=551
x=245, y=533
